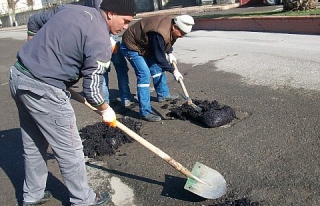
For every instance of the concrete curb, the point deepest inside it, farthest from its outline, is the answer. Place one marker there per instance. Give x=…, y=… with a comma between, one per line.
x=190, y=10
x=281, y=24
x=273, y=24
x=13, y=28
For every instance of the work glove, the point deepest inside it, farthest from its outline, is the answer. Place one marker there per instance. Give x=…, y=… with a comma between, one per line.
x=109, y=117
x=107, y=65
x=171, y=58
x=177, y=75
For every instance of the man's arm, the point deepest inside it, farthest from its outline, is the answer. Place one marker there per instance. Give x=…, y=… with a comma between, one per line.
x=37, y=21
x=157, y=46
x=158, y=49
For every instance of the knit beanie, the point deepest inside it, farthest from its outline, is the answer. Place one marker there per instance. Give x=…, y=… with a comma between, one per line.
x=121, y=7
x=184, y=22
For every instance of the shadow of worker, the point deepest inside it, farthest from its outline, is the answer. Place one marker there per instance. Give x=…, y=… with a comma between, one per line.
x=12, y=164
x=173, y=186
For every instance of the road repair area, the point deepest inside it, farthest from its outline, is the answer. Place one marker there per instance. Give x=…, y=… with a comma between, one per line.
x=269, y=155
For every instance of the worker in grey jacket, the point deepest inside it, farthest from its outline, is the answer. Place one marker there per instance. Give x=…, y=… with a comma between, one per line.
x=74, y=43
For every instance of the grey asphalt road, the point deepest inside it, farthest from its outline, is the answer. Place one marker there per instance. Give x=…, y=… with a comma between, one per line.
x=269, y=155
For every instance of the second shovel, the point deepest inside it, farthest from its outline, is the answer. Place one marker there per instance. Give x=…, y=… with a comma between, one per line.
x=189, y=100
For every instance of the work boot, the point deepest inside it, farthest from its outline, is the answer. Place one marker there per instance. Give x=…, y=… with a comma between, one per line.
x=101, y=198
x=168, y=98
x=46, y=197
x=152, y=118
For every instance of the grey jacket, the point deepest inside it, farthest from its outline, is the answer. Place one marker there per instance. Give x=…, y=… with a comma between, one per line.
x=71, y=41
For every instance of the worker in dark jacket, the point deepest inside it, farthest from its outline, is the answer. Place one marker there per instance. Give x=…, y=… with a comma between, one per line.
x=73, y=42
x=147, y=45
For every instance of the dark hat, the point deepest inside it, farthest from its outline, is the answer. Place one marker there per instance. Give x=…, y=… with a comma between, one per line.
x=121, y=7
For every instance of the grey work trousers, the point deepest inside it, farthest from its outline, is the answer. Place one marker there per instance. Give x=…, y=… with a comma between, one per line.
x=47, y=118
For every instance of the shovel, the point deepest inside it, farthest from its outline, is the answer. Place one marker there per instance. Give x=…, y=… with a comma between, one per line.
x=203, y=180
x=189, y=100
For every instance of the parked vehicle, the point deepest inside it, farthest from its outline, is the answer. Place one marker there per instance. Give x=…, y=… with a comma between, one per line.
x=272, y=2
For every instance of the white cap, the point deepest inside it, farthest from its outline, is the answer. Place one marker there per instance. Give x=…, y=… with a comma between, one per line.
x=184, y=22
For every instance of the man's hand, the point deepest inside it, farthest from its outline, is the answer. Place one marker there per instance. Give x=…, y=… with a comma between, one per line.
x=177, y=75
x=109, y=117
x=108, y=65
x=171, y=58
x=29, y=37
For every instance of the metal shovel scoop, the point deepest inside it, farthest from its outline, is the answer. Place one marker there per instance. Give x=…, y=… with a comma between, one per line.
x=189, y=100
x=203, y=180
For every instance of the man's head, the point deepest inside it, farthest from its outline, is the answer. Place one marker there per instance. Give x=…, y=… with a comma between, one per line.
x=119, y=13
x=182, y=25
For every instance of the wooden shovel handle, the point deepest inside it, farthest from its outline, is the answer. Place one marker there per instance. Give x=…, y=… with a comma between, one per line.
x=176, y=165
x=184, y=89
x=81, y=99
x=181, y=83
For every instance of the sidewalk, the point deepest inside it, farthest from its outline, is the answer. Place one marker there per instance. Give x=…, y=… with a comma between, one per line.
x=174, y=11
x=273, y=24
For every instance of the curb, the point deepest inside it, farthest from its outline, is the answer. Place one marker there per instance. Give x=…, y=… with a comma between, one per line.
x=190, y=10
x=273, y=24
x=282, y=24
x=13, y=28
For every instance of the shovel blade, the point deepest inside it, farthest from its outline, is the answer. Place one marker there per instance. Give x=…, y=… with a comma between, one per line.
x=198, y=109
x=193, y=105
x=213, y=184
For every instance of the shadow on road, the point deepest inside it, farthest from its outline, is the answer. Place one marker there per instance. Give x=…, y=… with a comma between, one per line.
x=11, y=162
x=11, y=159
x=172, y=187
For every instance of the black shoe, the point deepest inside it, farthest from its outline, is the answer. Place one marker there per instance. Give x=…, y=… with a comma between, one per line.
x=152, y=118
x=46, y=197
x=101, y=198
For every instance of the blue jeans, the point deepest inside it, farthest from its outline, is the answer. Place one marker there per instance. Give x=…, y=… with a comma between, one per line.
x=121, y=67
x=144, y=69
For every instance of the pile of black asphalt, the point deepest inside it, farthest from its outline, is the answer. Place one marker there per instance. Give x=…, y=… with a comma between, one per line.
x=212, y=115
x=100, y=139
